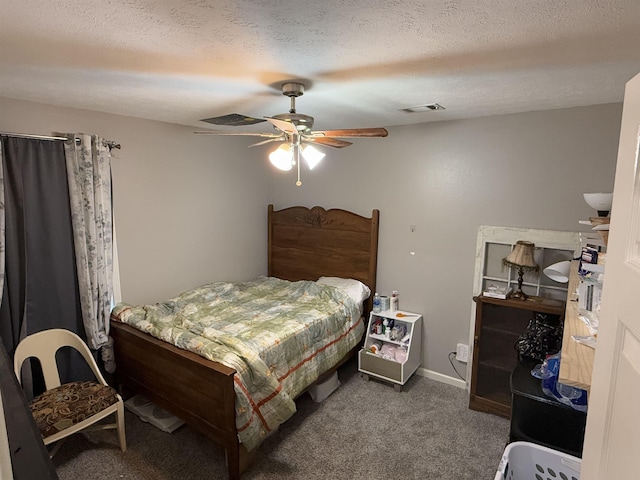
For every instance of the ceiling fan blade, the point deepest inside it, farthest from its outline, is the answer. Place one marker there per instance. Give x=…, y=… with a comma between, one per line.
x=352, y=132
x=280, y=138
x=233, y=119
x=243, y=134
x=329, y=142
x=282, y=125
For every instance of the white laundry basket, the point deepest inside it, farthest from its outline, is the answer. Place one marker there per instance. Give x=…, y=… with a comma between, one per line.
x=528, y=461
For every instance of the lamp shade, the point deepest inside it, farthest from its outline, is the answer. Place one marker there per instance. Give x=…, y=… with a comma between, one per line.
x=599, y=201
x=522, y=256
x=312, y=155
x=282, y=157
x=558, y=272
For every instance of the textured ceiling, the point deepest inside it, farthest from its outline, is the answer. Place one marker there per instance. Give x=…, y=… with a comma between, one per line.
x=362, y=60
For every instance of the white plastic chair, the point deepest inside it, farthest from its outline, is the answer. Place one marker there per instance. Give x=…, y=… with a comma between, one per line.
x=55, y=416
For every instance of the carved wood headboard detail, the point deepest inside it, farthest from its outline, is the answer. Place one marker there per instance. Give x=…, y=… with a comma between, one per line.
x=307, y=243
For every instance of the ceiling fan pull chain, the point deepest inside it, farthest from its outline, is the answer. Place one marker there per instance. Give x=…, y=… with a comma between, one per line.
x=297, y=147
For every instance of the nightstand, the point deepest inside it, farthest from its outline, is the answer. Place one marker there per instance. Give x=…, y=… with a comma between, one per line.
x=405, y=343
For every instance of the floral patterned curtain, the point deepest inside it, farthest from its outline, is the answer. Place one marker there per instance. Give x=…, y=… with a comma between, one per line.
x=89, y=174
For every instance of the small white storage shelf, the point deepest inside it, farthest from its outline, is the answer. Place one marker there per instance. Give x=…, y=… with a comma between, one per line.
x=398, y=368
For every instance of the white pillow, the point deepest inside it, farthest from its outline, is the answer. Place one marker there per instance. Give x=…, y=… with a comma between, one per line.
x=357, y=290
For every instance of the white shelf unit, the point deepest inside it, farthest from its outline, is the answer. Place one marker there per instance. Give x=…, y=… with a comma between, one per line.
x=390, y=370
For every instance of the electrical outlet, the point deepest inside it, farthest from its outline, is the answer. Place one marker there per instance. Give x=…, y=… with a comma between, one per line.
x=462, y=353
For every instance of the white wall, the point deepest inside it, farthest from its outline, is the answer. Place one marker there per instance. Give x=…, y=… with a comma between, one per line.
x=192, y=209
x=448, y=178
x=189, y=209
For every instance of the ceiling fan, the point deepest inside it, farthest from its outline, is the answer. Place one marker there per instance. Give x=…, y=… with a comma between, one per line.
x=294, y=131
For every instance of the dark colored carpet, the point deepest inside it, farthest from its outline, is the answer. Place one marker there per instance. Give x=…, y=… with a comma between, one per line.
x=364, y=430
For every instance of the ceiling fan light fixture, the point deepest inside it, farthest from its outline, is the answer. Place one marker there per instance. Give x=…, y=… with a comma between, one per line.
x=282, y=157
x=312, y=156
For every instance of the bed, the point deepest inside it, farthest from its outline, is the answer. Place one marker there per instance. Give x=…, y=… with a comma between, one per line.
x=303, y=244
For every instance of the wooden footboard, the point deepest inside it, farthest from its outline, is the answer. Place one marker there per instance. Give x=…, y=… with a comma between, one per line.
x=197, y=390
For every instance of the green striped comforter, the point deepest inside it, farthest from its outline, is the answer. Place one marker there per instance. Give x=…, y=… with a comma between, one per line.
x=279, y=336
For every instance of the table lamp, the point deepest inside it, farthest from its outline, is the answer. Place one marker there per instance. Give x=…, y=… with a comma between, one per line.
x=521, y=257
x=558, y=272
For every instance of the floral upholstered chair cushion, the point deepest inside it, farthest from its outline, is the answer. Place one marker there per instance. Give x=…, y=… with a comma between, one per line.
x=61, y=407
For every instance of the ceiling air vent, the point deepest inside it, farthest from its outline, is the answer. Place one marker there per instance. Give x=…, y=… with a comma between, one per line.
x=423, y=108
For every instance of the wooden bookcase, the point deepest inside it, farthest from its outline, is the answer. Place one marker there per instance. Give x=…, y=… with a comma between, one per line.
x=498, y=324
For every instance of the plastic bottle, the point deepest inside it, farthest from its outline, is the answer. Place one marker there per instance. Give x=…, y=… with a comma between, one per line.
x=385, y=327
x=376, y=303
x=394, y=301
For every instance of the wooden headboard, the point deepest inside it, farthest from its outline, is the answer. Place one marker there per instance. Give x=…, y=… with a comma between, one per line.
x=308, y=243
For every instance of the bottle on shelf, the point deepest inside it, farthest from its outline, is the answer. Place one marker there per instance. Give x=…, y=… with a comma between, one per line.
x=394, y=301
x=385, y=327
x=376, y=303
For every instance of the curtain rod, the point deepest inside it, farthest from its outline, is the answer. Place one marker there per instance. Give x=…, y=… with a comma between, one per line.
x=109, y=143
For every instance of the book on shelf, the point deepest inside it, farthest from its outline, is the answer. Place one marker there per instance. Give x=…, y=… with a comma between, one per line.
x=495, y=291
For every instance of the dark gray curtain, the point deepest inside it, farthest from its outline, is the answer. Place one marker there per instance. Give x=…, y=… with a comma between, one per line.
x=40, y=288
